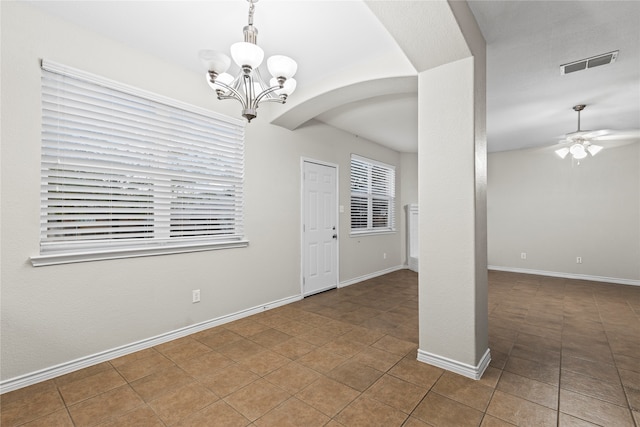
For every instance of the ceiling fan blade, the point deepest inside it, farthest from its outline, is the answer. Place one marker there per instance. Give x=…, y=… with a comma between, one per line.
x=614, y=135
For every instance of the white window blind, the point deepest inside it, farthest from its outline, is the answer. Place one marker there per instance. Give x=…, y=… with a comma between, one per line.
x=372, y=196
x=124, y=168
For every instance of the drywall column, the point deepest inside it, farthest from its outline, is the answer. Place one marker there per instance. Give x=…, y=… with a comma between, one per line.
x=452, y=200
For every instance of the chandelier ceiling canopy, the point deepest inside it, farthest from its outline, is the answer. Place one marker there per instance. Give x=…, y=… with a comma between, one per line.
x=248, y=87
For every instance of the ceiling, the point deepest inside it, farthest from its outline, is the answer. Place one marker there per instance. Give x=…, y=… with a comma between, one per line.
x=367, y=85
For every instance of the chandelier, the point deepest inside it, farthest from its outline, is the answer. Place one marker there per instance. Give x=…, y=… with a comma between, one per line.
x=248, y=87
x=578, y=144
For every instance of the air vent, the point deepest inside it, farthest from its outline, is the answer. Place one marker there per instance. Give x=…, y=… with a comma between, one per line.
x=594, y=61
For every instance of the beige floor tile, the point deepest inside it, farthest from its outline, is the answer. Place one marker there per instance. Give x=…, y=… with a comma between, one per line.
x=29, y=404
x=370, y=413
x=526, y=388
x=463, y=390
x=376, y=358
x=218, y=414
x=88, y=387
x=565, y=420
x=546, y=373
x=327, y=396
x=105, y=406
x=136, y=368
x=161, y=382
x=321, y=360
x=218, y=337
x=397, y=393
x=256, y=399
x=58, y=419
x=264, y=362
x=229, y=380
x=186, y=349
x=240, y=349
x=490, y=421
x=601, y=371
x=143, y=416
x=293, y=377
x=355, y=375
x=589, y=386
x=246, y=327
x=206, y=364
x=182, y=402
x=490, y=377
x=294, y=348
x=520, y=412
x=293, y=413
x=630, y=378
x=438, y=410
x=418, y=373
x=82, y=373
x=270, y=337
x=395, y=345
x=594, y=410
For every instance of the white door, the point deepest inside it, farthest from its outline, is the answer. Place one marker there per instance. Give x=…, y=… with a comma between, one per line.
x=319, y=228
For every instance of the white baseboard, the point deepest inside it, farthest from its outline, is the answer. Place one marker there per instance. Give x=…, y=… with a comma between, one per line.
x=371, y=276
x=84, y=362
x=619, y=281
x=469, y=371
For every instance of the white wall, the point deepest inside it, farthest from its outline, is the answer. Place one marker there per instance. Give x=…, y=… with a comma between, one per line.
x=53, y=315
x=555, y=211
x=408, y=193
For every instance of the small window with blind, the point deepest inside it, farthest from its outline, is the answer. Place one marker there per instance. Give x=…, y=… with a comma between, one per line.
x=125, y=172
x=372, y=196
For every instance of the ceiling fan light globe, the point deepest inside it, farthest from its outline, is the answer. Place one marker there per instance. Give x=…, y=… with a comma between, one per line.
x=215, y=61
x=578, y=151
x=562, y=152
x=244, y=53
x=282, y=66
x=594, y=149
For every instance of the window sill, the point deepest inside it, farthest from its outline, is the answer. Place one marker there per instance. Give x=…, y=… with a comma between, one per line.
x=100, y=255
x=370, y=233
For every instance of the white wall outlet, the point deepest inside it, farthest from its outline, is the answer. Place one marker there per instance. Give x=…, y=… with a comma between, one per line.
x=523, y=255
x=195, y=295
x=579, y=260
x=384, y=255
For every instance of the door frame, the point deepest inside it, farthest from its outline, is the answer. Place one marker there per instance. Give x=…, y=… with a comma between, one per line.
x=304, y=160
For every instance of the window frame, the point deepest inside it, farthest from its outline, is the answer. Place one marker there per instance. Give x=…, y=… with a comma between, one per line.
x=387, y=195
x=79, y=250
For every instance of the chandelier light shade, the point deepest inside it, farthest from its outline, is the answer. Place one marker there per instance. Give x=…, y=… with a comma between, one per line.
x=577, y=143
x=248, y=86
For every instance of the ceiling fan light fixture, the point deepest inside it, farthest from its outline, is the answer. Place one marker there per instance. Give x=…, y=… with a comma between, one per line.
x=562, y=152
x=594, y=149
x=578, y=151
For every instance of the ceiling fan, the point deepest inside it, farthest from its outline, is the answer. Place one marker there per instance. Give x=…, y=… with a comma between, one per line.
x=580, y=143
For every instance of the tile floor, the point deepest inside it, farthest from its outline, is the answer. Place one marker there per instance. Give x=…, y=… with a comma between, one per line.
x=565, y=353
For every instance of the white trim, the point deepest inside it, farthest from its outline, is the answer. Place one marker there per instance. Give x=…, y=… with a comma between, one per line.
x=371, y=276
x=466, y=370
x=304, y=160
x=617, y=280
x=100, y=255
x=84, y=362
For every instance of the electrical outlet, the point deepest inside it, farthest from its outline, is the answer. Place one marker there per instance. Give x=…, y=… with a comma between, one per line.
x=384, y=255
x=195, y=295
x=579, y=260
x=523, y=255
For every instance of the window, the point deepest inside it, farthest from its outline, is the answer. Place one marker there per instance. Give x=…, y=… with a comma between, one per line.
x=372, y=196
x=129, y=173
